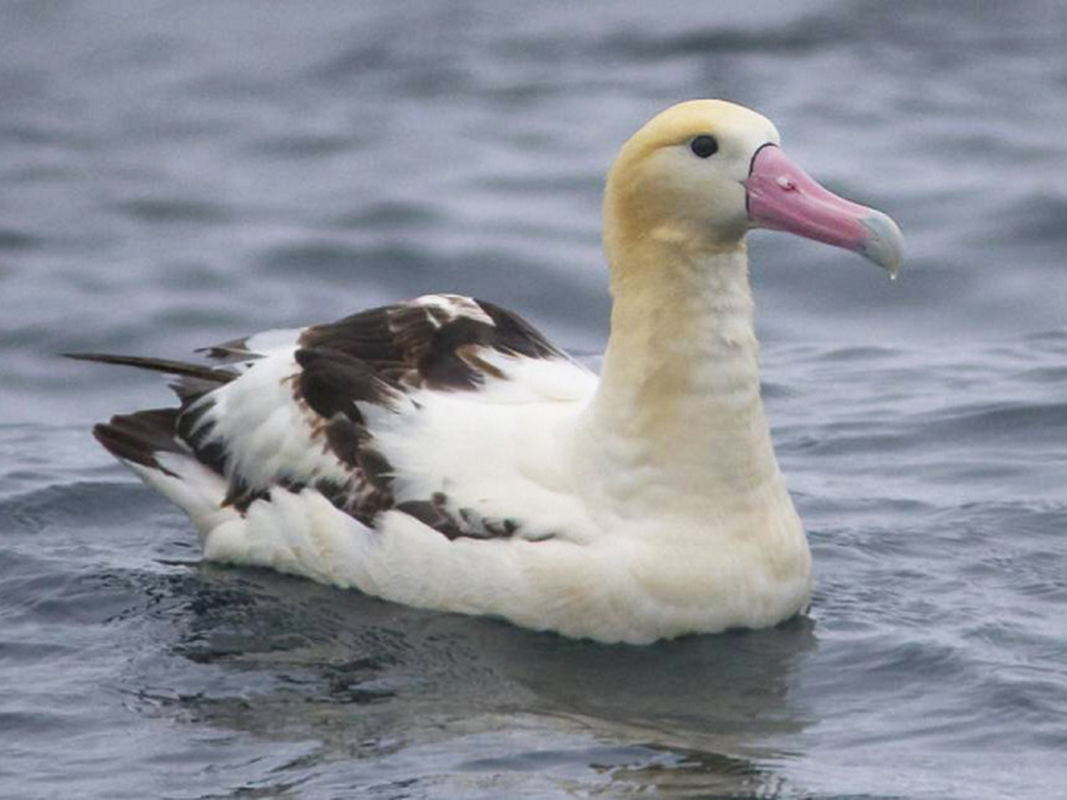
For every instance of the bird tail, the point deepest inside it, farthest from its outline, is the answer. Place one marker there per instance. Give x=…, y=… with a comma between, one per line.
x=151, y=443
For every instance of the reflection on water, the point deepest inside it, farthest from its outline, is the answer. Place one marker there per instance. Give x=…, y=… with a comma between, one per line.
x=277, y=656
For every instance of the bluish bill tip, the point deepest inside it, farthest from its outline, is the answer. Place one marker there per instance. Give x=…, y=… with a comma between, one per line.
x=885, y=243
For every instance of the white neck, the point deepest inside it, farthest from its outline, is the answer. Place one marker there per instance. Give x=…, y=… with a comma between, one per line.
x=678, y=418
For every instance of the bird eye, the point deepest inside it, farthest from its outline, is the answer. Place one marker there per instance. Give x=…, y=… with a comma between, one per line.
x=704, y=146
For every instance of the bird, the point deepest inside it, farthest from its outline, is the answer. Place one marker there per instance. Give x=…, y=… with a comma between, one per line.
x=444, y=454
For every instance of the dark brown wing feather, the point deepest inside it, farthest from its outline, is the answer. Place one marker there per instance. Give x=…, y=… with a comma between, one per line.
x=418, y=344
x=432, y=342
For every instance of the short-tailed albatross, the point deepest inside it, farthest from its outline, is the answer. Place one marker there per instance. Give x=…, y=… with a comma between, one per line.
x=442, y=453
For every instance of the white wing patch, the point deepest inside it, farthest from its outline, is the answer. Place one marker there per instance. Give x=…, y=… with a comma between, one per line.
x=267, y=435
x=494, y=460
x=452, y=307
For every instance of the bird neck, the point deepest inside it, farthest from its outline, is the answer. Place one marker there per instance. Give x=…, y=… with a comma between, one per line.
x=679, y=398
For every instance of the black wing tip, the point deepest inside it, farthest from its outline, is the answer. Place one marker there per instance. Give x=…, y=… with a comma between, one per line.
x=100, y=357
x=181, y=369
x=138, y=437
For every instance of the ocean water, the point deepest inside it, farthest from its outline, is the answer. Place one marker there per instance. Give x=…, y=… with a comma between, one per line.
x=174, y=174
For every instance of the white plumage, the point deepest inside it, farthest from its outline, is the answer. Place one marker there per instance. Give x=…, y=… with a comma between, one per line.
x=441, y=453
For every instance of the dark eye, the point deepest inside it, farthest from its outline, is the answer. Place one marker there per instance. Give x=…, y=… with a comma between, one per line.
x=704, y=146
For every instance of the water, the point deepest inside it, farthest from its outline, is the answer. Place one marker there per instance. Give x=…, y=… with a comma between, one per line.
x=176, y=174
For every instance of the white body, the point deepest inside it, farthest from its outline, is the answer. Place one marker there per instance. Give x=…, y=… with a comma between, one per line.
x=632, y=527
x=440, y=453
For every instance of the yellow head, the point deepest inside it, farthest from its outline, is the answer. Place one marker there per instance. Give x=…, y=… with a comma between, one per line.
x=699, y=175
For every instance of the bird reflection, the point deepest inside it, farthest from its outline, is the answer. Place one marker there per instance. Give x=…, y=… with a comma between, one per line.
x=284, y=658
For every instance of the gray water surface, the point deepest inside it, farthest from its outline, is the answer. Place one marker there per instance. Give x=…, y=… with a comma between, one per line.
x=174, y=174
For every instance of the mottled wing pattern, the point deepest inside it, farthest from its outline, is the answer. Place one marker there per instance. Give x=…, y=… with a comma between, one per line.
x=432, y=342
x=293, y=410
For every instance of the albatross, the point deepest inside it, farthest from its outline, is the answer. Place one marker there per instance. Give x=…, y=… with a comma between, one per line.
x=442, y=453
